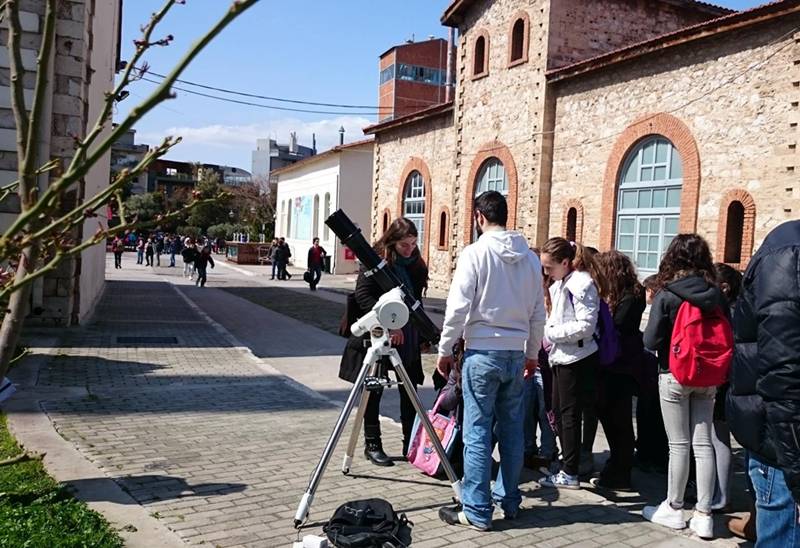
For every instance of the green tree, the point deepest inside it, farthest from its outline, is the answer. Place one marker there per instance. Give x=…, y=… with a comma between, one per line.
x=212, y=212
x=146, y=207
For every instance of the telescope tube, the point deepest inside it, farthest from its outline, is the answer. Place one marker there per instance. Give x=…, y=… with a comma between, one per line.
x=378, y=268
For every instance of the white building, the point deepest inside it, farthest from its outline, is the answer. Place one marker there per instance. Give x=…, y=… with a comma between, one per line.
x=313, y=188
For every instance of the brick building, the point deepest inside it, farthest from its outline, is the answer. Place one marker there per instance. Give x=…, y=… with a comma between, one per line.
x=617, y=123
x=412, y=78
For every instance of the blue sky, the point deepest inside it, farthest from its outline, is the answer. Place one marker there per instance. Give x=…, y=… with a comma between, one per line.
x=314, y=50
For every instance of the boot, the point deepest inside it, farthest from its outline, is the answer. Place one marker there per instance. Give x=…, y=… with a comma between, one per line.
x=744, y=527
x=373, y=448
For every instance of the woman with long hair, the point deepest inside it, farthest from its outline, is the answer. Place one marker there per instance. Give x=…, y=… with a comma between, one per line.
x=573, y=355
x=686, y=273
x=625, y=298
x=398, y=246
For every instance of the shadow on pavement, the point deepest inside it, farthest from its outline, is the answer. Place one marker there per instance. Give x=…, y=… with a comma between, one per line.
x=159, y=487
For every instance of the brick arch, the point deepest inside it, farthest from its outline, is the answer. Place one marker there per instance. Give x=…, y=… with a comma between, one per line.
x=448, y=221
x=418, y=164
x=682, y=139
x=578, y=206
x=493, y=149
x=479, y=33
x=521, y=14
x=748, y=226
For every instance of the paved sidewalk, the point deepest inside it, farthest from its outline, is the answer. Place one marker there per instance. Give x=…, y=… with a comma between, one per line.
x=218, y=444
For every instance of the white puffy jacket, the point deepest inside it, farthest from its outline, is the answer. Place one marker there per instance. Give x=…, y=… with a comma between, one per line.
x=572, y=321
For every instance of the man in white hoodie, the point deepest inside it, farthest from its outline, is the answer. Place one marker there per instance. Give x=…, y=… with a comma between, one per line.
x=496, y=303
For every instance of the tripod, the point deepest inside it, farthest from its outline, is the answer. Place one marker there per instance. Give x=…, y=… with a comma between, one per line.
x=380, y=347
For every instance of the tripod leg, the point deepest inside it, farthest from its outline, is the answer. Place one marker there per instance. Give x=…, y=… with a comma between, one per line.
x=351, y=444
x=327, y=453
x=455, y=483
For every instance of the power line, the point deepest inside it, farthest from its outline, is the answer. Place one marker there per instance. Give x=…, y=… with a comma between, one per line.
x=259, y=105
x=268, y=98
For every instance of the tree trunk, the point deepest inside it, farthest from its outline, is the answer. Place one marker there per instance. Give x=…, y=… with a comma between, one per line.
x=14, y=317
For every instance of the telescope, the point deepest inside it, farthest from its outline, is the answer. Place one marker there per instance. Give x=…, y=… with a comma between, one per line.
x=377, y=267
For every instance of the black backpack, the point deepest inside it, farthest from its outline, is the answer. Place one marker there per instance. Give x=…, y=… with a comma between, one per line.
x=370, y=523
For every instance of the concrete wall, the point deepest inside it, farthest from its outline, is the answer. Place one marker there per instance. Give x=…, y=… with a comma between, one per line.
x=355, y=198
x=745, y=131
x=102, y=58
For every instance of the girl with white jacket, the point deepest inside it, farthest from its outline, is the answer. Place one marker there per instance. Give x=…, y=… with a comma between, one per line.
x=570, y=329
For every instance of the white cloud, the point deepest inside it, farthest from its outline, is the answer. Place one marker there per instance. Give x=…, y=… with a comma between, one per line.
x=232, y=145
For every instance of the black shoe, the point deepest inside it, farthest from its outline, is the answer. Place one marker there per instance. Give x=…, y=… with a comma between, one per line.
x=611, y=484
x=454, y=515
x=374, y=453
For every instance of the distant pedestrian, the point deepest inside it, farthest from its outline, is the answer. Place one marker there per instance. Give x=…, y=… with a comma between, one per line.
x=274, y=251
x=316, y=261
x=140, y=250
x=159, y=249
x=173, y=245
x=118, y=247
x=201, y=263
x=282, y=256
x=189, y=255
x=149, y=251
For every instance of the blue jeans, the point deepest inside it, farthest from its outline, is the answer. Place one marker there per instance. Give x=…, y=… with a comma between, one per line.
x=536, y=415
x=777, y=515
x=493, y=386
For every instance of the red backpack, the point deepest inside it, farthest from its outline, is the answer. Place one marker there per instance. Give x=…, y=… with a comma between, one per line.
x=701, y=348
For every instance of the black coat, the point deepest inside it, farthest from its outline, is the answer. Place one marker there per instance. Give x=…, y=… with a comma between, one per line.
x=764, y=398
x=627, y=319
x=367, y=293
x=693, y=288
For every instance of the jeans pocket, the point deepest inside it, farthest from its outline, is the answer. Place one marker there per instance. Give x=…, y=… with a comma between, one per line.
x=762, y=477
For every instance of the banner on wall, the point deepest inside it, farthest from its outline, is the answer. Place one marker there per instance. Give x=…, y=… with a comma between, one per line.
x=304, y=218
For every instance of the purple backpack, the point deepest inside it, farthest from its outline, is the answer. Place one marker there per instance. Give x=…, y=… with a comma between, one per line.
x=606, y=336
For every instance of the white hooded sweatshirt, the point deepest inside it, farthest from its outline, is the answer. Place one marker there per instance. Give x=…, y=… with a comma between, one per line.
x=496, y=300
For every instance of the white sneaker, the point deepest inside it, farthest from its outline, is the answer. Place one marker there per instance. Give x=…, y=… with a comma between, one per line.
x=665, y=515
x=562, y=480
x=702, y=525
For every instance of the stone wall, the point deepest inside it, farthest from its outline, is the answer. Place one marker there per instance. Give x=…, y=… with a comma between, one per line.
x=429, y=148
x=736, y=95
x=581, y=30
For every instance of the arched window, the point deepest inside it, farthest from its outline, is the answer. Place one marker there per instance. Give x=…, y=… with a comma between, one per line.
x=414, y=204
x=315, y=222
x=326, y=231
x=648, y=202
x=734, y=232
x=385, y=220
x=443, y=229
x=518, y=40
x=492, y=176
x=290, y=205
x=572, y=225
x=479, y=56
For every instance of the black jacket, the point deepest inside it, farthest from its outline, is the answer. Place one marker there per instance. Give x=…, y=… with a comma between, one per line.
x=367, y=294
x=627, y=319
x=764, y=398
x=189, y=254
x=693, y=288
x=203, y=260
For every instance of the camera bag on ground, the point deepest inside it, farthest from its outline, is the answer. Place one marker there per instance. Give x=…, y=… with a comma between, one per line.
x=369, y=523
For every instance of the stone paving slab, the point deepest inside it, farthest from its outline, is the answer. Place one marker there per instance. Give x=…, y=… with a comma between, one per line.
x=219, y=447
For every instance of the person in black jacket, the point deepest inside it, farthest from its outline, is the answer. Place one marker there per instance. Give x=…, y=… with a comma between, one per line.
x=616, y=383
x=763, y=408
x=686, y=273
x=201, y=263
x=398, y=246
